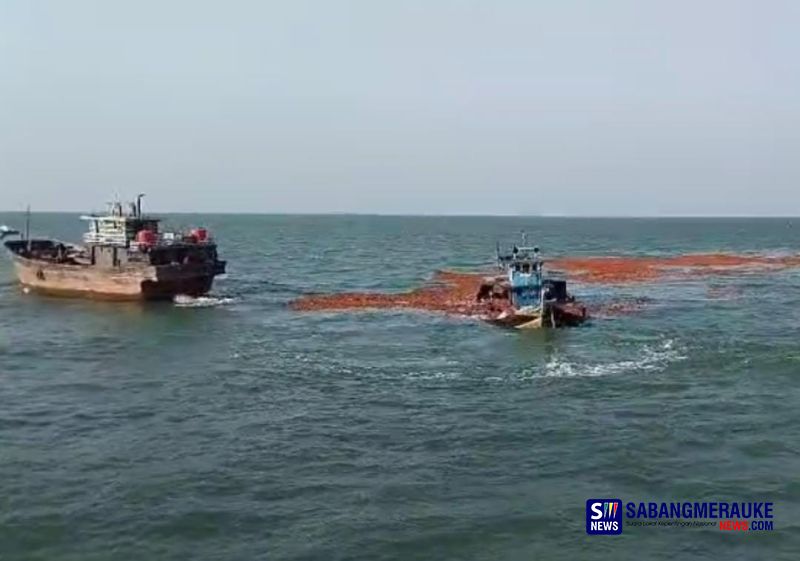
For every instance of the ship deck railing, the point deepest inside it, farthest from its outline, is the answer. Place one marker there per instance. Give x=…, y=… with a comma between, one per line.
x=106, y=239
x=121, y=240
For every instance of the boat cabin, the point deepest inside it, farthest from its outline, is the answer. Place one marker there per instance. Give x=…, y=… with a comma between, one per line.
x=528, y=285
x=118, y=228
x=119, y=238
x=523, y=268
x=525, y=281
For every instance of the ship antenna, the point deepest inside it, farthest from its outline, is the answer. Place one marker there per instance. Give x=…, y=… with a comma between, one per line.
x=28, y=227
x=524, y=238
x=139, y=204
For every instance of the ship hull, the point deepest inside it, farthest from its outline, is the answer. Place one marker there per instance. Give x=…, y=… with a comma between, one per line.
x=126, y=283
x=554, y=315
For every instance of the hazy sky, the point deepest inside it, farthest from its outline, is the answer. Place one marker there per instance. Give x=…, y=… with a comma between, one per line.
x=405, y=106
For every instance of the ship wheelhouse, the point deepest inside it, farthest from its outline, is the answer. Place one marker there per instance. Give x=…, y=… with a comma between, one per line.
x=523, y=268
x=111, y=236
x=525, y=280
x=119, y=238
x=118, y=228
x=528, y=286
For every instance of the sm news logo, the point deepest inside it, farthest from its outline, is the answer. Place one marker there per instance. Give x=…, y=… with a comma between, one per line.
x=603, y=516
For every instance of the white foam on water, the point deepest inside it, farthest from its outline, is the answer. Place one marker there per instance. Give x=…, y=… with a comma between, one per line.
x=184, y=301
x=648, y=359
x=427, y=376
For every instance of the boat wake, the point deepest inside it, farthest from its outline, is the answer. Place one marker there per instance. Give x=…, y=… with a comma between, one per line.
x=649, y=359
x=184, y=301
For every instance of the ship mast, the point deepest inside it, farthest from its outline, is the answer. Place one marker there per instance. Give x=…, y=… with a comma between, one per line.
x=28, y=227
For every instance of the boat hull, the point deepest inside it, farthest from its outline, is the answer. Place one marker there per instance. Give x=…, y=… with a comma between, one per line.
x=124, y=283
x=556, y=314
x=496, y=291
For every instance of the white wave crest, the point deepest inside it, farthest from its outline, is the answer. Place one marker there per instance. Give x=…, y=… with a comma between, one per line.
x=649, y=359
x=184, y=301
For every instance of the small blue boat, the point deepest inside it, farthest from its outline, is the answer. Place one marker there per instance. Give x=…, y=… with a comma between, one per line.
x=525, y=296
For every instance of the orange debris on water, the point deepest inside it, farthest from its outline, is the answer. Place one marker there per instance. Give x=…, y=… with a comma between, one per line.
x=624, y=270
x=455, y=292
x=447, y=292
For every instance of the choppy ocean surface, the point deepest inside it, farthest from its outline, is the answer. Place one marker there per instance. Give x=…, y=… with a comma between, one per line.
x=234, y=428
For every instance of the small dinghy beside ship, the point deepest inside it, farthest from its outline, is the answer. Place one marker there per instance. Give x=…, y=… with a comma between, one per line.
x=124, y=256
x=524, y=297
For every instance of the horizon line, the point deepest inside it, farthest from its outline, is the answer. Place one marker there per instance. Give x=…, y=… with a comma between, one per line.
x=432, y=215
